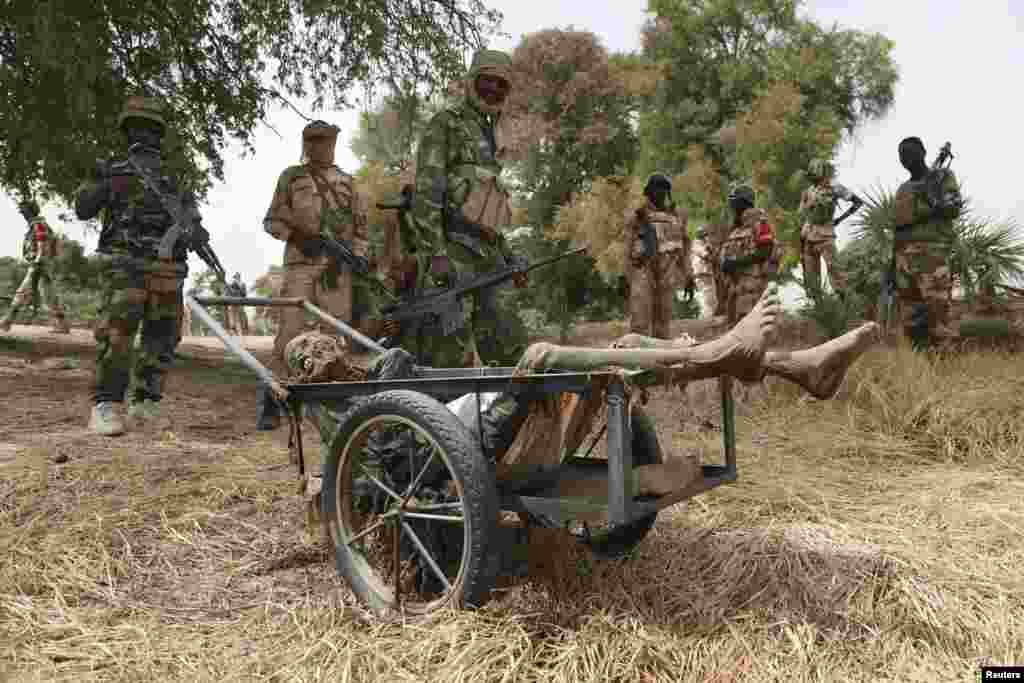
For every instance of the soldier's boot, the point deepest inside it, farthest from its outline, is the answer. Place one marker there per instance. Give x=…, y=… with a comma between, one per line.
x=60, y=325
x=270, y=414
x=146, y=409
x=105, y=420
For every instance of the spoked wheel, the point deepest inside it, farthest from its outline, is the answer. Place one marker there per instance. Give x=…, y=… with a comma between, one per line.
x=409, y=506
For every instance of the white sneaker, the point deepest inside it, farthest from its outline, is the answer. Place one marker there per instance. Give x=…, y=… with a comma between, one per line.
x=105, y=420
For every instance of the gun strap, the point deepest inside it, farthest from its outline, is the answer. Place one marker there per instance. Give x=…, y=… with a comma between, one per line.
x=324, y=187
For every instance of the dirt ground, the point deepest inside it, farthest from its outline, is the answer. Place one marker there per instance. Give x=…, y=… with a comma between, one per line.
x=178, y=551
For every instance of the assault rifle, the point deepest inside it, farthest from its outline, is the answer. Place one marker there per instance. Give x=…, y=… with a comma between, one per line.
x=344, y=257
x=187, y=221
x=933, y=192
x=445, y=304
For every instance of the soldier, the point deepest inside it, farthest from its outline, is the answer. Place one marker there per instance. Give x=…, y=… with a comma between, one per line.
x=747, y=255
x=138, y=287
x=458, y=212
x=312, y=199
x=818, y=234
x=658, y=259
x=237, y=319
x=38, y=248
x=926, y=206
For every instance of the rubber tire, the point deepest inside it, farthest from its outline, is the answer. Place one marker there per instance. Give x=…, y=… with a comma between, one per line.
x=646, y=451
x=480, y=496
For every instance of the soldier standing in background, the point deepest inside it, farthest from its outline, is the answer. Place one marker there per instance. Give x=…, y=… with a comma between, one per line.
x=818, y=233
x=39, y=249
x=747, y=254
x=311, y=199
x=658, y=259
x=925, y=207
x=237, y=318
x=138, y=287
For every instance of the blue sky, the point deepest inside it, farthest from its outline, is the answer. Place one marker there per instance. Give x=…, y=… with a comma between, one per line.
x=957, y=61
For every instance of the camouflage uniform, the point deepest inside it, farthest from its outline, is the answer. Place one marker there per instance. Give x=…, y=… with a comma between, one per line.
x=458, y=212
x=39, y=248
x=137, y=286
x=312, y=200
x=749, y=249
x=654, y=278
x=921, y=251
x=818, y=233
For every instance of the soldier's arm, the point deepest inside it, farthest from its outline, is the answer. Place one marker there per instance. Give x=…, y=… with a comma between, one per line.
x=433, y=189
x=90, y=198
x=279, y=222
x=360, y=231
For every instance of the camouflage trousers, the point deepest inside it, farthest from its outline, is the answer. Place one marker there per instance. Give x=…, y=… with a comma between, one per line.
x=814, y=252
x=38, y=281
x=308, y=281
x=743, y=290
x=136, y=292
x=923, y=287
x=238, y=321
x=650, y=299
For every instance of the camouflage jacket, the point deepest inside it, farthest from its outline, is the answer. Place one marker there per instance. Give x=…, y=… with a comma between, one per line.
x=913, y=211
x=302, y=209
x=753, y=233
x=40, y=242
x=457, y=178
x=672, y=239
x=132, y=217
x=817, y=209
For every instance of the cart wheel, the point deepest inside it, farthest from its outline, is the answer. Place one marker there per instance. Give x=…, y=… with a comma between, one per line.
x=614, y=543
x=410, y=506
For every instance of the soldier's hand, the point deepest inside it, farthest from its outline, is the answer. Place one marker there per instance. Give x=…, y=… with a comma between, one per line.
x=520, y=280
x=689, y=289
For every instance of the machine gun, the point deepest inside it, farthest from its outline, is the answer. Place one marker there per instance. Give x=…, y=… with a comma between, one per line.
x=933, y=193
x=187, y=221
x=445, y=304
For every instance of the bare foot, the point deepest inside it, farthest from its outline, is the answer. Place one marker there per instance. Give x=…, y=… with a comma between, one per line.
x=820, y=370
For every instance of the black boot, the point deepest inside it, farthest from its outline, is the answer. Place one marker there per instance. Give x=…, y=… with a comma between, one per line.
x=270, y=415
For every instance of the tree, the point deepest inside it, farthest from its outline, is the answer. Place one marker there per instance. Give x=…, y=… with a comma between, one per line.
x=388, y=134
x=569, y=119
x=66, y=67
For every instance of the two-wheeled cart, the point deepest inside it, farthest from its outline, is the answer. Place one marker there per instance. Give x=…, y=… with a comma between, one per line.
x=410, y=502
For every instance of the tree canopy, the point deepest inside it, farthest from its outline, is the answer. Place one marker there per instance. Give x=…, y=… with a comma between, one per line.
x=66, y=68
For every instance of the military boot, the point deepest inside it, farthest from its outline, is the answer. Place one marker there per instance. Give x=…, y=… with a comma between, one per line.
x=270, y=415
x=105, y=420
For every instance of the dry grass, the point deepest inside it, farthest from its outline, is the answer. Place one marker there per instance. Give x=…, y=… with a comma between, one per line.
x=875, y=537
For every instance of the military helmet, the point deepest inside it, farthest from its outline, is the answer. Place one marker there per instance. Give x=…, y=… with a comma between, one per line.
x=146, y=108
x=656, y=181
x=319, y=129
x=741, y=192
x=487, y=63
x=821, y=168
x=28, y=206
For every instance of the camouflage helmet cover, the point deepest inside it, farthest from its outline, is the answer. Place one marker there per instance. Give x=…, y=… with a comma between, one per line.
x=145, y=108
x=487, y=63
x=741, y=192
x=821, y=168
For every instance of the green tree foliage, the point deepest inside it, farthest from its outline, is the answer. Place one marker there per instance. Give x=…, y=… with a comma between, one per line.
x=754, y=91
x=388, y=134
x=66, y=67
